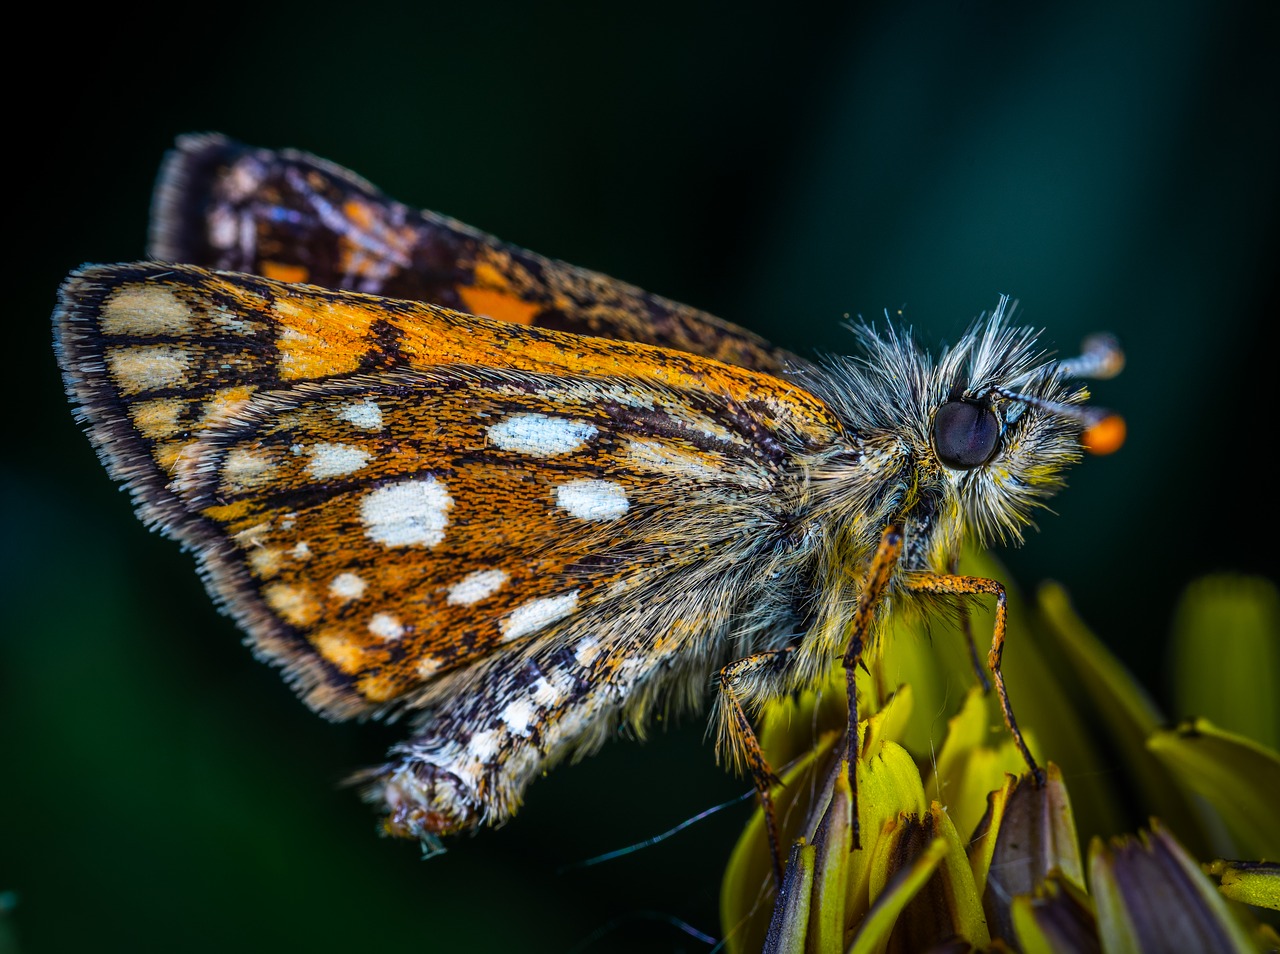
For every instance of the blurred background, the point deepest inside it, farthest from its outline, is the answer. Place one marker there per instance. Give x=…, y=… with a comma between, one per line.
x=1113, y=166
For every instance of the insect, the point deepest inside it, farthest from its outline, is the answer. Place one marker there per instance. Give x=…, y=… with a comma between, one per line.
x=434, y=475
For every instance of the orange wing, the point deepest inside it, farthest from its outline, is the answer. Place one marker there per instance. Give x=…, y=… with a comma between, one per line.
x=381, y=492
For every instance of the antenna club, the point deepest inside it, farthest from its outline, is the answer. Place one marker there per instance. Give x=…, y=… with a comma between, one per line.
x=1101, y=357
x=1105, y=436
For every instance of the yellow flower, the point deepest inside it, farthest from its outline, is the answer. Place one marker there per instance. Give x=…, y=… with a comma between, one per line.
x=959, y=852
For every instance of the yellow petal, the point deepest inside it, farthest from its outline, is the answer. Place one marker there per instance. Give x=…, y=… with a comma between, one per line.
x=968, y=767
x=1236, y=775
x=947, y=906
x=1226, y=657
x=1129, y=717
x=1249, y=882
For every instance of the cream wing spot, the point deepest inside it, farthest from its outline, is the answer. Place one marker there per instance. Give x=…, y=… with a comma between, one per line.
x=540, y=435
x=144, y=310
x=593, y=499
x=385, y=626
x=264, y=562
x=474, y=587
x=347, y=587
x=148, y=367
x=160, y=418
x=294, y=604
x=365, y=415
x=247, y=468
x=534, y=615
x=407, y=514
x=546, y=693
x=586, y=651
x=335, y=460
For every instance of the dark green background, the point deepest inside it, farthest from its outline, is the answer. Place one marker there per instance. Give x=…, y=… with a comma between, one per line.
x=1113, y=166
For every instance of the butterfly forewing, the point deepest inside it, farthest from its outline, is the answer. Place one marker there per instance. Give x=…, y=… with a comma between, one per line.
x=385, y=493
x=291, y=216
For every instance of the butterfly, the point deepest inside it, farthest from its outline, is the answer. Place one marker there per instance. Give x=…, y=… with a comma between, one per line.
x=522, y=504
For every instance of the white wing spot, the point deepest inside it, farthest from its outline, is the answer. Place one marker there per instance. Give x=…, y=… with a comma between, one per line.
x=593, y=499
x=483, y=746
x=347, y=586
x=385, y=626
x=474, y=587
x=586, y=650
x=540, y=435
x=534, y=615
x=412, y=513
x=545, y=693
x=518, y=715
x=335, y=460
x=365, y=415
x=301, y=551
x=428, y=667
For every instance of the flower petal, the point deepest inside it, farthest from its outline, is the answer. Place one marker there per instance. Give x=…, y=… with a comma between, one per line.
x=1151, y=896
x=1224, y=634
x=1129, y=715
x=1249, y=882
x=967, y=767
x=897, y=892
x=790, y=924
x=1239, y=777
x=1035, y=837
x=1058, y=918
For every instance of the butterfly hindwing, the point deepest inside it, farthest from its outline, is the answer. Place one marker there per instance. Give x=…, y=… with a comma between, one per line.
x=291, y=216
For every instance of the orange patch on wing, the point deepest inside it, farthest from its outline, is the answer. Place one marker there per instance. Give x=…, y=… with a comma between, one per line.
x=320, y=336
x=500, y=305
x=437, y=338
x=340, y=650
x=377, y=688
x=358, y=212
x=284, y=272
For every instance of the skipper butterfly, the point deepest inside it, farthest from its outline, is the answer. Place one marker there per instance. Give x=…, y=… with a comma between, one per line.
x=432, y=474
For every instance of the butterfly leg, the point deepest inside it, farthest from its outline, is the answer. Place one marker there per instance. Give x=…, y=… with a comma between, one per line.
x=967, y=626
x=962, y=585
x=874, y=586
x=758, y=676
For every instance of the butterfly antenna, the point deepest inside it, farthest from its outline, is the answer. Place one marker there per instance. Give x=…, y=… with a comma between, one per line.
x=1100, y=358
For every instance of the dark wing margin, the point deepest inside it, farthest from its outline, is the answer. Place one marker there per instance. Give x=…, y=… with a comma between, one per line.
x=134, y=459
x=291, y=216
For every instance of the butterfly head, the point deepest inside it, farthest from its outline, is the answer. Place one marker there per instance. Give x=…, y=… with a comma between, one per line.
x=986, y=430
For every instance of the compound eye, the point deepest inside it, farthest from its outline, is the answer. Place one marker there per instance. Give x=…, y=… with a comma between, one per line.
x=965, y=435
